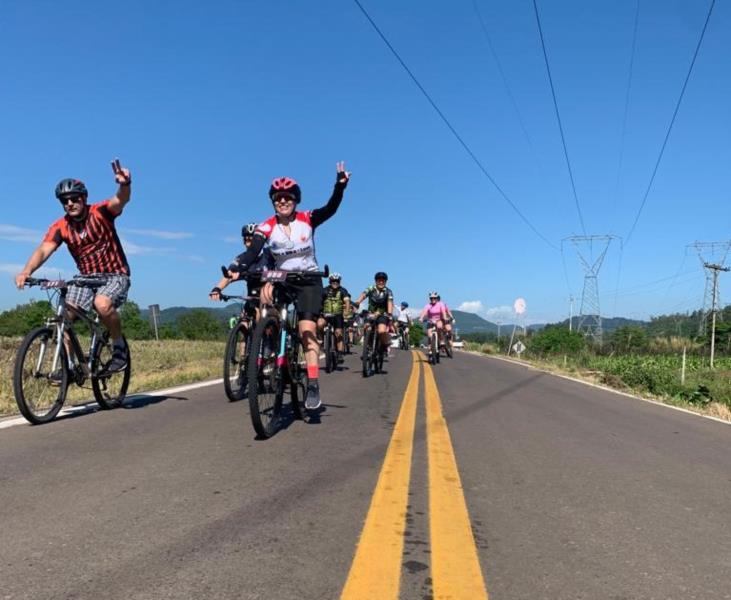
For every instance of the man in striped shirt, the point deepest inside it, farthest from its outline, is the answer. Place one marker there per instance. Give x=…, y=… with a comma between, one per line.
x=91, y=237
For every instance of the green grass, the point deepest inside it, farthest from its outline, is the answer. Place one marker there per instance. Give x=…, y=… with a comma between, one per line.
x=656, y=376
x=155, y=365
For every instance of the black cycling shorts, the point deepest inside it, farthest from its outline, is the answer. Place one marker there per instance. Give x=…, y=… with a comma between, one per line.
x=307, y=294
x=337, y=321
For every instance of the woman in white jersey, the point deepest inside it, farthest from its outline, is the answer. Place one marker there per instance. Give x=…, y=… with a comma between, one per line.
x=290, y=234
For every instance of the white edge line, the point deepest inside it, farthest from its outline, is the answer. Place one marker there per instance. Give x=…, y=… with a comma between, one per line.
x=93, y=406
x=597, y=386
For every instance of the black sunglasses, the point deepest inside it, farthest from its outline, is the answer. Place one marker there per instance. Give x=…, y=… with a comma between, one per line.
x=68, y=199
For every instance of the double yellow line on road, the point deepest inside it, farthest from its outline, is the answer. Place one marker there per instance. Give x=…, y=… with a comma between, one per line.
x=455, y=568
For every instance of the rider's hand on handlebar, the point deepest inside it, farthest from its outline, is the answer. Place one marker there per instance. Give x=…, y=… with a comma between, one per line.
x=20, y=280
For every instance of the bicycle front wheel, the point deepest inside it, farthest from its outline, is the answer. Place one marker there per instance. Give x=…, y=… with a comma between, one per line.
x=39, y=384
x=328, y=348
x=266, y=378
x=366, y=355
x=110, y=389
x=235, y=362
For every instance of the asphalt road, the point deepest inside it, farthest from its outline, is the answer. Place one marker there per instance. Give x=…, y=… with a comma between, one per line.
x=567, y=492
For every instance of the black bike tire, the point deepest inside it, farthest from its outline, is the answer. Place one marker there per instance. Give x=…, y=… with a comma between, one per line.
x=20, y=398
x=231, y=351
x=101, y=400
x=297, y=380
x=365, y=358
x=376, y=351
x=327, y=343
x=264, y=428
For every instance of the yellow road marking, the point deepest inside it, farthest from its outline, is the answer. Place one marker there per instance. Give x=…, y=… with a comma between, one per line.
x=455, y=567
x=376, y=570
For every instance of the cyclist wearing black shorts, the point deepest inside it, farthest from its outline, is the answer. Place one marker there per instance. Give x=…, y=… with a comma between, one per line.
x=380, y=306
x=335, y=301
x=290, y=234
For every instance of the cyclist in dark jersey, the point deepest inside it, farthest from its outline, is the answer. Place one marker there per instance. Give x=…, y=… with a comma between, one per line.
x=264, y=261
x=335, y=301
x=89, y=232
x=380, y=304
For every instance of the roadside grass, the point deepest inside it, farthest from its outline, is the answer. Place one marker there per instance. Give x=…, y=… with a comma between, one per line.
x=155, y=365
x=656, y=377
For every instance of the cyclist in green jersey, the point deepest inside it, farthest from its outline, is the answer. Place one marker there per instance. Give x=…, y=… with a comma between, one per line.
x=335, y=301
x=380, y=306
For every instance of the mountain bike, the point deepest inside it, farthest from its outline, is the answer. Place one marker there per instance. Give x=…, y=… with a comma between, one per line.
x=372, y=354
x=277, y=359
x=238, y=345
x=432, y=336
x=447, y=344
x=329, y=343
x=403, y=337
x=44, y=369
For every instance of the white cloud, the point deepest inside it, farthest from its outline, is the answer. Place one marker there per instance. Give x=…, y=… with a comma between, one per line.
x=196, y=259
x=472, y=306
x=13, y=233
x=502, y=313
x=230, y=239
x=160, y=234
x=47, y=272
x=136, y=250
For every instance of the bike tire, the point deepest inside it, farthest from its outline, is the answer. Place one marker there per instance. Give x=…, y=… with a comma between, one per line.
x=32, y=388
x=266, y=378
x=235, y=364
x=298, y=380
x=365, y=356
x=448, y=348
x=327, y=343
x=435, y=348
x=109, y=390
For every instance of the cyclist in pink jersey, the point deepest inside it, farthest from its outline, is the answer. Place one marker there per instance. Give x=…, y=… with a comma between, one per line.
x=435, y=312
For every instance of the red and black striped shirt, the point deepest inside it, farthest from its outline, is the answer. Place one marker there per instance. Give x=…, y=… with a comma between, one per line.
x=93, y=241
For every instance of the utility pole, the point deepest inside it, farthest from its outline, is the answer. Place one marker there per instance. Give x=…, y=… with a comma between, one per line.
x=715, y=269
x=590, y=319
x=571, y=313
x=713, y=253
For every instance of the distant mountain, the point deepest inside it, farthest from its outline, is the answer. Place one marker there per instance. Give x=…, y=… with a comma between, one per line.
x=170, y=315
x=472, y=323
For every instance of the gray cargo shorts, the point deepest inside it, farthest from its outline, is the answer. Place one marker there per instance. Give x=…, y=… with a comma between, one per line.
x=115, y=288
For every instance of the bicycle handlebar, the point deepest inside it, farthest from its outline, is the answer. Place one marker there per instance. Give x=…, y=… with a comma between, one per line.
x=287, y=275
x=61, y=284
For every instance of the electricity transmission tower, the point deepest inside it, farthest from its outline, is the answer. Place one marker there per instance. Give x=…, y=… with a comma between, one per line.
x=590, y=316
x=711, y=254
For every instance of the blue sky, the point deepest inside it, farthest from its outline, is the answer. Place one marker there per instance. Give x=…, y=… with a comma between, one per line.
x=206, y=103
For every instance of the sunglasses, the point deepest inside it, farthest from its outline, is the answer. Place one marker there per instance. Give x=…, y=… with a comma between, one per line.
x=283, y=199
x=73, y=199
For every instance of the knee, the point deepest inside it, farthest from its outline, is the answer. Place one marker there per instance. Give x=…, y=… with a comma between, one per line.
x=104, y=306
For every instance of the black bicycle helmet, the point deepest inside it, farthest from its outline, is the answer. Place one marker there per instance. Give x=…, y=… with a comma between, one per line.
x=380, y=275
x=248, y=230
x=71, y=187
x=335, y=277
x=404, y=305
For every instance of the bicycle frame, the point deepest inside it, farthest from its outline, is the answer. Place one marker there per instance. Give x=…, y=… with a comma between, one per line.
x=64, y=327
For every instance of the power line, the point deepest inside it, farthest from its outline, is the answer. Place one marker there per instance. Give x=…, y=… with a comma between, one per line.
x=452, y=129
x=626, y=101
x=558, y=117
x=672, y=121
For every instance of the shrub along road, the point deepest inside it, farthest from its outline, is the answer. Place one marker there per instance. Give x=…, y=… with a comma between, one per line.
x=566, y=492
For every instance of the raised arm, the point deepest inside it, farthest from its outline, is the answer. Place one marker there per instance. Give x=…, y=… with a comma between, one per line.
x=123, y=177
x=320, y=215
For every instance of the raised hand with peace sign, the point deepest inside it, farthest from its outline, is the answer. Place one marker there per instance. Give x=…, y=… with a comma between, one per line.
x=343, y=175
x=123, y=177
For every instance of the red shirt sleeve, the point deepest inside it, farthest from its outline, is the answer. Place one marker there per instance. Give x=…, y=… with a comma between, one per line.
x=55, y=233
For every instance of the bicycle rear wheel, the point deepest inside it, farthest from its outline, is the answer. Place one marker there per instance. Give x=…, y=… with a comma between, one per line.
x=266, y=378
x=109, y=389
x=39, y=390
x=235, y=362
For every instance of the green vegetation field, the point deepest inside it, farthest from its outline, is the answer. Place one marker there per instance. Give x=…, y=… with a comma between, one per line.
x=657, y=376
x=155, y=365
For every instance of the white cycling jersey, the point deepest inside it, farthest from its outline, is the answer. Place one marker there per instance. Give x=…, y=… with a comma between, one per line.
x=293, y=252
